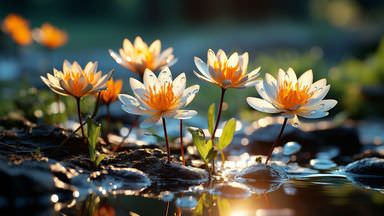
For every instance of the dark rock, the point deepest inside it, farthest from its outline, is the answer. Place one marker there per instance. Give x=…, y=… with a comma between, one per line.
x=345, y=138
x=367, y=166
x=153, y=162
x=32, y=183
x=47, y=139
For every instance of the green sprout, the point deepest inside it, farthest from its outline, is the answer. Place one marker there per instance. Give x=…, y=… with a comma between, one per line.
x=93, y=135
x=207, y=150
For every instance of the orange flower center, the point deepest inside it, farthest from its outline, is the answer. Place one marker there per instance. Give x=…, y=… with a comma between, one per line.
x=226, y=72
x=292, y=95
x=162, y=99
x=148, y=57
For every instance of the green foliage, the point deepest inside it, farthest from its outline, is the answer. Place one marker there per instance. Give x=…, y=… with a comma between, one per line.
x=359, y=84
x=206, y=148
x=203, y=147
x=94, y=131
x=227, y=134
x=211, y=118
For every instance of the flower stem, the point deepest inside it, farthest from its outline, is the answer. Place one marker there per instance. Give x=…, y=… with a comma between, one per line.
x=217, y=123
x=108, y=122
x=218, y=113
x=181, y=142
x=79, y=115
x=166, y=140
x=277, y=141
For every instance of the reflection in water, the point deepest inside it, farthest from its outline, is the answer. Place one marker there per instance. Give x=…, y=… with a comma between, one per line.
x=338, y=196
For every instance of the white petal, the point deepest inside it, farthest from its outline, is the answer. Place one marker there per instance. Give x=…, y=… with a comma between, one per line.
x=323, y=105
x=137, y=87
x=243, y=62
x=202, y=67
x=314, y=114
x=221, y=56
x=150, y=79
x=67, y=66
x=261, y=105
x=165, y=76
x=233, y=60
x=306, y=78
x=189, y=94
x=261, y=91
x=318, y=95
x=127, y=45
x=292, y=75
x=140, y=44
x=254, y=73
x=76, y=68
x=211, y=57
x=128, y=100
x=178, y=85
x=155, y=47
x=203, y=77
x=270, y=86
x=318, y=85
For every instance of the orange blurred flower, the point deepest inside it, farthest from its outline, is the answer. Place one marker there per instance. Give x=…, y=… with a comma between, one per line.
x=18, y=28
x=113, y=90
x=50, y=36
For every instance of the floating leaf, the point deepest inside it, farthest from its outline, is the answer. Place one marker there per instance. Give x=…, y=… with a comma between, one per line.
x=227, y=134
x=211, y=118
x=199, y=141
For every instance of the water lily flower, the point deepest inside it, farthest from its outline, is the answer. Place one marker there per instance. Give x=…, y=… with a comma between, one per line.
x=18, y=28
x=138, y=56
x=160, y=97
x=226, y=72
x=77, y=82
x=292, y=97
x=110, y=94
x=50, y=36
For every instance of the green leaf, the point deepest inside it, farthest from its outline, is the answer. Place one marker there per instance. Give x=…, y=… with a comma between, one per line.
x=211, y=118
x=93, y=135
x=100, y=158
x=199, y=141
x=212, y=154
x=227, y=134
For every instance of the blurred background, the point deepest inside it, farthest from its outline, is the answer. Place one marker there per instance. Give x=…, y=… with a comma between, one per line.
x=341, y=40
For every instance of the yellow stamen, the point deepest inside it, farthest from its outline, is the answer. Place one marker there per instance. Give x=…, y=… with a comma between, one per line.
x=291, y=95
x=163, y=99
x=226, y=72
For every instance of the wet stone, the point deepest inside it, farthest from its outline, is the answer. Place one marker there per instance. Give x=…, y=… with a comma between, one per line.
x=322, y=164
x=115, y=178
x=231, y=190
x=262, y=178
x=262, y=172
x=291, y=148
x=367, y=166
x=186, y=202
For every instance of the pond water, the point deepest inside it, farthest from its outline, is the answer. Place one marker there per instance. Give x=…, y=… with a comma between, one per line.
x=314, y=196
